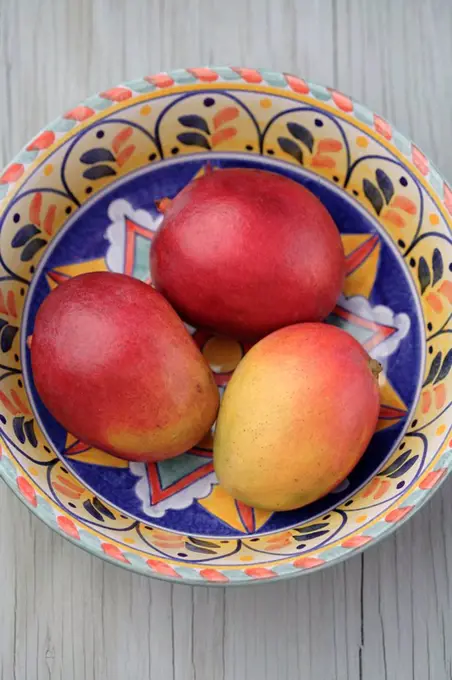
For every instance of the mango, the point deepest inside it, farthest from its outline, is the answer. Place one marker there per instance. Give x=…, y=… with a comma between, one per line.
x=116, y=367
x=244, y=252
x=296, y=417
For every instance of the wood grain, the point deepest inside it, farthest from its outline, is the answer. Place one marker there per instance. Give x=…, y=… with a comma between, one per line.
x=383, y=615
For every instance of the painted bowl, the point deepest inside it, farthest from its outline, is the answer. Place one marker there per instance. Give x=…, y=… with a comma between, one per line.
x=88, y=194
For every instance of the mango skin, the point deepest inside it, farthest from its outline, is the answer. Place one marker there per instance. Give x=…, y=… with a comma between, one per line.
x=296, y=417
x=244, y=252
x=115, y=366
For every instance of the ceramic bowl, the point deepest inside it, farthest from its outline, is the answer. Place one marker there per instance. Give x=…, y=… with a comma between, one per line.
x=88, y=193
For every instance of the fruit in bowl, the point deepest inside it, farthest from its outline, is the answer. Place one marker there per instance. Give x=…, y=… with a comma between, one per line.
x=117, y=350
x=115, y=366
x=245, y=252
x=296, y=417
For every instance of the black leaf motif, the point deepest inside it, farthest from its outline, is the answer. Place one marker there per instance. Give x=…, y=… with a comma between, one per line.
x=290, y=147
x=18, y=427
x=423, y=274
x=403, y=468
x=30, y=433
x=307, y=537
x=99, y=171
x=311, y=527
x=203, y=543
x=385, y=184
x=193, y=121
x=97, y=156
x=92, y=511
x=193, y=139
x=198, y=549
x=434, y=368
x=396, y=464
x=3, y=323
x=445, y=368
x=32, y=248
x=301, y=133
x=371, y=192
x=437, y=265
x=23, y=235
x=7, y=338
x=100, y=507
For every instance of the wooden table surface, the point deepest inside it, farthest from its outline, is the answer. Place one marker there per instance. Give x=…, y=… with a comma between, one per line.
x=65, y=615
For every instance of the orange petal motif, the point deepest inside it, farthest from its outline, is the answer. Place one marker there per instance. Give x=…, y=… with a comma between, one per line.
x=3, y=309
x=42, y=141
x=419, y=160
x=225, y=116
x=435, y=302
x=125, y=154
x=329, y=144
x=384, y=486
x=113, y=551
x=49, y=219
x=440, y=395
x=206, y=75
x=342, y=101
x=394, y=217
x=319, y=161
x=213, y=575
x=8, y=404
x=80, y=113
x=117, y=94
x=308, y=562
x=297, y=84
x=405, y=204
x=120, y=138
x=355, y=541
x=12, y=173
x=371, y=487
x=68, y=526
x=398, y=514
x=222, y=136
x=66, y=492
x=446, y=290
x=27, y=490
x=21, y=406
x=260, y=572
x=34, y=212
x=11, y=303
x=249, y=74
x=382, y=127
x=426, y=401
x=66, y=481
x=162, y=568
x=432, y=478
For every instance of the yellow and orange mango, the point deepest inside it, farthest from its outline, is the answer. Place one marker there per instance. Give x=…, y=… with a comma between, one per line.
x=296, y=417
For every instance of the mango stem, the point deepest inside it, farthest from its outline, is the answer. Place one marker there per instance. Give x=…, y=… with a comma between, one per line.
x=375, y=367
